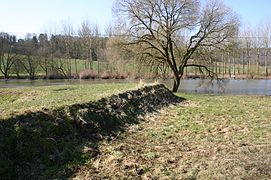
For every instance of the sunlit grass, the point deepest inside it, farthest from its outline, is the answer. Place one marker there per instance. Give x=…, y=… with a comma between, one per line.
x=18, y=100
x=205, y=137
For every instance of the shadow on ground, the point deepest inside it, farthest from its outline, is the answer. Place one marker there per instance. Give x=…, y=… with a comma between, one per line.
x=53, y=143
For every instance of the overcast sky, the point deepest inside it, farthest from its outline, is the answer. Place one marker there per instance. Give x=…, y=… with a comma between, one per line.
x=35, y=16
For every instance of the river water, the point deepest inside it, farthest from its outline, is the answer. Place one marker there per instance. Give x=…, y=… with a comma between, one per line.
x=235, y=87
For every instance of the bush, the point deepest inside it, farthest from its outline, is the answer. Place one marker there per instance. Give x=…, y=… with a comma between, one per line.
x=87, y=74
x=55, y=75
x=106, y=75
x=120, y=76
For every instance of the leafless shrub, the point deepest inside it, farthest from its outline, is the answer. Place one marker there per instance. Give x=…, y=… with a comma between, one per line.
x=54, y=75
x=87, y=74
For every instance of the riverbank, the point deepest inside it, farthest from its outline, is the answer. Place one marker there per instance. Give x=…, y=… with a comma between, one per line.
x=198, y=86
x=86, y=74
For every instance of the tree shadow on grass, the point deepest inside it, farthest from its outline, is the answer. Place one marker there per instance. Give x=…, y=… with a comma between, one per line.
x=53, y=143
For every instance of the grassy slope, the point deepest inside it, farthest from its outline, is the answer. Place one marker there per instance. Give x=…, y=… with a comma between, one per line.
x=18, y=100
x=207, y=137
x=49, y=143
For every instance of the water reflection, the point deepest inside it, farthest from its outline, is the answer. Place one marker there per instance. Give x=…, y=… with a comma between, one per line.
x=237, y=87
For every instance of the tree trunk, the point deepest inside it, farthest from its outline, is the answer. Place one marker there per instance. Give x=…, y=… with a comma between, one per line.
x=225, y=66
x=6, y=76
x=46, y=67
x=176, y=84
x=230, y=64
x=258, y=62
x=98, y=70
x=75, y=63
x=265, y=66
x=233, y=61
x=243, y=62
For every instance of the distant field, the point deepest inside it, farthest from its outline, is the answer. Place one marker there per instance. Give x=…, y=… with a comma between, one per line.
x=18, y=100
x=223, y=70
x=77, y=65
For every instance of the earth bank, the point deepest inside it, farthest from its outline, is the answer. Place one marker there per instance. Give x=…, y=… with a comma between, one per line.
x=54, y=142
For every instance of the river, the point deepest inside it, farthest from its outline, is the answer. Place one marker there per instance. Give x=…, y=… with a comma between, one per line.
x=235, y=87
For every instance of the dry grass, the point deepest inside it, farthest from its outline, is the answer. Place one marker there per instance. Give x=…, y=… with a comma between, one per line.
x=207, y=137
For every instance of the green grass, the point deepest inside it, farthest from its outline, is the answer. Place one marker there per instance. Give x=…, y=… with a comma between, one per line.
x=14, y=101
x=43, y=131
x=206, y=137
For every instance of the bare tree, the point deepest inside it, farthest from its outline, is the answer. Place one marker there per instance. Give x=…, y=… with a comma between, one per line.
x=29, y=59
x=158, y=26
x=68, y=33
x=44, y=53
x=96, y=51
x=256, y=44
x=86, y=33
x=7, y=53
x=118, y=55
x=266, y=40
x=247, y=41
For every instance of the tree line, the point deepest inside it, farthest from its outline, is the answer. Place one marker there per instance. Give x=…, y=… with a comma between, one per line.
x=160, y=38
x=55, y=53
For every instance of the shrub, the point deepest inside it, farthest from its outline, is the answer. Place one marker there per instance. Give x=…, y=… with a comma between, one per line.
x=55, y=75
x=87, y=74
x=106, y=75
x=120, y=76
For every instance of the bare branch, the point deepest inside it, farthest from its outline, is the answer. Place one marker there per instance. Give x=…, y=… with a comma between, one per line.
x=158, y=25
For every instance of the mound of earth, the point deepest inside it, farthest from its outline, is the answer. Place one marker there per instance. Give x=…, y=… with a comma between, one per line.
x=50, y=143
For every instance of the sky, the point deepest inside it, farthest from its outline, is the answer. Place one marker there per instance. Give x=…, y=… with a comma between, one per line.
x=36, y=16
x=251, y=12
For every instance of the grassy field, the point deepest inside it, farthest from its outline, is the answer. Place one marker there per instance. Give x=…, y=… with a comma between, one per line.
x=206, y=137
x=16, y=101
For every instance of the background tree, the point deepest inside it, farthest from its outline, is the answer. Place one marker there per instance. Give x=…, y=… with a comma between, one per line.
x=120, y=56
x=158, y=25
x=266, y=41
x=8, y=53
x=247, y=41
x=29, y=55
x=68, y=33
x=44, y=53
x=85, y=33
